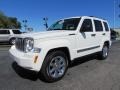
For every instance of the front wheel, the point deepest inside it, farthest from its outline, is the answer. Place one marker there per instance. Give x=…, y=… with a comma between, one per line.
x=12, y=41
x=54, y=66
x=104, y=53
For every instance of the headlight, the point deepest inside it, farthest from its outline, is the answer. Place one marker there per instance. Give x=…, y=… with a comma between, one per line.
x=28, y=44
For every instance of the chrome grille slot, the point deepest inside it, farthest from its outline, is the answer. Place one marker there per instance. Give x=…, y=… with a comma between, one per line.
x=19, y=44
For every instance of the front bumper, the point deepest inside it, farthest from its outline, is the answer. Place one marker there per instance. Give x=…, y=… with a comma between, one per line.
x=25, y=60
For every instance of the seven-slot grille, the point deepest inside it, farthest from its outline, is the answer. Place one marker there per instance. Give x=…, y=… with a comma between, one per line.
x=19, y=44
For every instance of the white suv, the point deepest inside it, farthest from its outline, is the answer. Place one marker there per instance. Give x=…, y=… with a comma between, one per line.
x=50, y=52
x=8, y=35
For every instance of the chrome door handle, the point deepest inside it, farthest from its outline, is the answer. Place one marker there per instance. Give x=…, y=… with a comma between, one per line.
x=103, y=34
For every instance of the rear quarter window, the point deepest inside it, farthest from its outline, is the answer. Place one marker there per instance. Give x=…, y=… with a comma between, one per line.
x=106, y=26
x=98, y=26
x=4, y=32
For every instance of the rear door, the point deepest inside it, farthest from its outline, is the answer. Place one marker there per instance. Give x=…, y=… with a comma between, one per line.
x=4, y=35
x=100, y=33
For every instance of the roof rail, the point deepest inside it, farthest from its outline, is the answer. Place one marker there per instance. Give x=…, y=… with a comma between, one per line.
x=97, y=17
x=91, y=16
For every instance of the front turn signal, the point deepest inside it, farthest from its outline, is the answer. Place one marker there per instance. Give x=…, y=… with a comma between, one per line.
x=35, y=59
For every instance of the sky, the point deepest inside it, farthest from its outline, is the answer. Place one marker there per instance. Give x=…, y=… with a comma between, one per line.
x=35, y=10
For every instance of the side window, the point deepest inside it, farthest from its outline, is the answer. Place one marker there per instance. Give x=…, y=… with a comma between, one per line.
x=16, y=32
x=86, y=26
x=4, y=32
x=98, y=26
x=106, y=26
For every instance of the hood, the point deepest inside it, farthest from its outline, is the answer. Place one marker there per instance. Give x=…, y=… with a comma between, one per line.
x=47, y=34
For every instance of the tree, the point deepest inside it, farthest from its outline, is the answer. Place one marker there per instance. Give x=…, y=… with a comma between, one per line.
x=13, y=23
x=3, y=20
x=9, y=22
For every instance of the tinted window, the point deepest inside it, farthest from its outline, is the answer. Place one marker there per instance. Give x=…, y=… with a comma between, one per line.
x=106, y=26
x=87, y=26
x=98, y=25
x=4, y=32
x=16, y=32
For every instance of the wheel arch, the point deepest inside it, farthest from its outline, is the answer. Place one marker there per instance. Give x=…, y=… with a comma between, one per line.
x=11, y=38
x=64, y=49
x=107, y=43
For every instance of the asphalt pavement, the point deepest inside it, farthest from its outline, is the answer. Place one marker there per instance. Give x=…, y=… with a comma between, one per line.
x=85, y=73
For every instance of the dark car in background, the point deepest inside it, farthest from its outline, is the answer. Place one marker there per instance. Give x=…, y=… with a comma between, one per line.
x=114, y=34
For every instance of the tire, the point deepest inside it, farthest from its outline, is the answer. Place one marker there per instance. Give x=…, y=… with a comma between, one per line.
x=12, y=41
x=102, y=55
x=54, y=66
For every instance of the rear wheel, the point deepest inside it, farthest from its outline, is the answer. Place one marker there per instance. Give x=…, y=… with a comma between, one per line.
x=54, y=66
x=104, y=53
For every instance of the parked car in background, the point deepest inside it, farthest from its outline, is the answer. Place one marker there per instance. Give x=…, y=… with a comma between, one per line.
x=114, y=34
x=9, y=35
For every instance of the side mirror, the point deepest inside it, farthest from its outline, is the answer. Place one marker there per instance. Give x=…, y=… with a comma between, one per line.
x=85, y=28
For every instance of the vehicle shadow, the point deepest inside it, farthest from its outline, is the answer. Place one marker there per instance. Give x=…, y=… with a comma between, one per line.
x=26, y=74
x=33, y=76
x=4, y=43
x=82, y=60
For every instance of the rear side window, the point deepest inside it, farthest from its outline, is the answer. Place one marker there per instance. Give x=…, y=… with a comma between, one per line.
x=106, y=26
x=86, y=26
x=16, y=32
x=4, y=32
x=98, y=26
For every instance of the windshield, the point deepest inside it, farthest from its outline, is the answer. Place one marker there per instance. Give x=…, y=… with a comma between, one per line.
x=66, y=24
